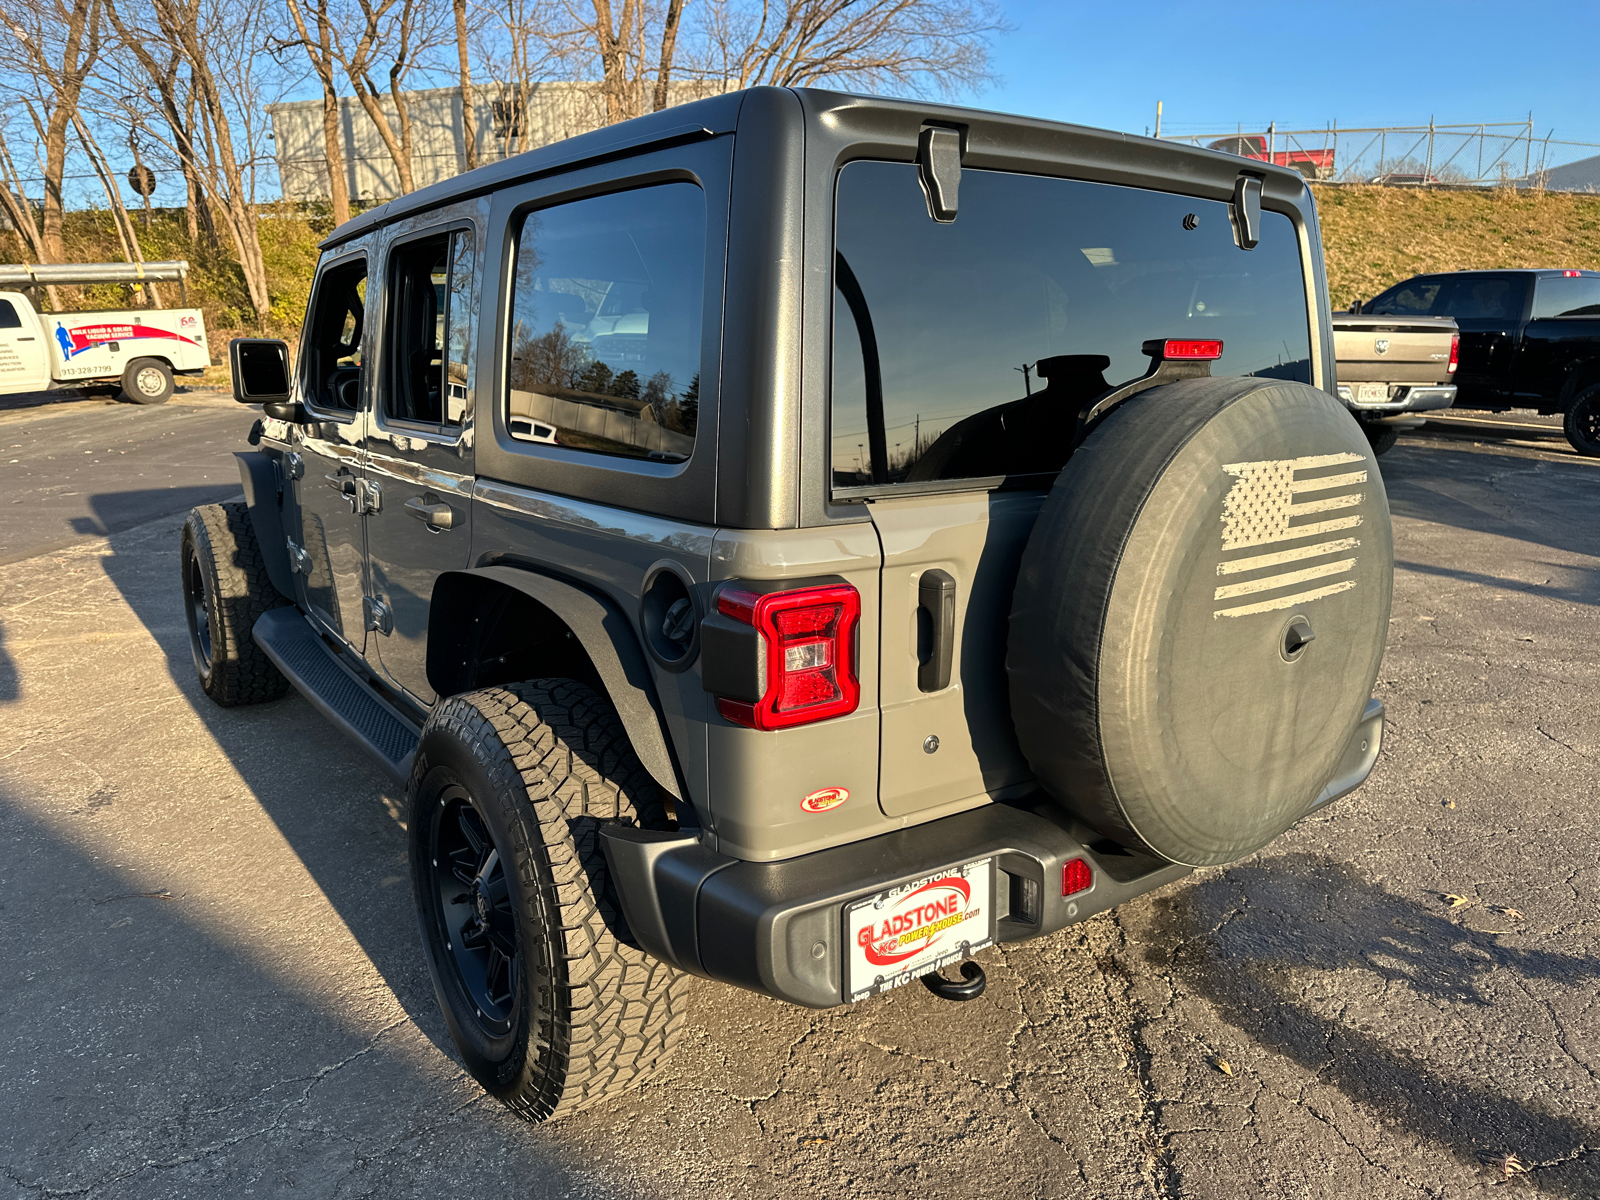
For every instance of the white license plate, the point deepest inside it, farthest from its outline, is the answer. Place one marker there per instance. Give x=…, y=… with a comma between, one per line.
x=1372, y=393
x=918, y=927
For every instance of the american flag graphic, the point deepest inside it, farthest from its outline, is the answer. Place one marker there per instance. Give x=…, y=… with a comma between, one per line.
x=1278, y=501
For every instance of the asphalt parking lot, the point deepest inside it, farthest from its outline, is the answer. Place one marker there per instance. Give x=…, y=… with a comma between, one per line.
x=214, y=984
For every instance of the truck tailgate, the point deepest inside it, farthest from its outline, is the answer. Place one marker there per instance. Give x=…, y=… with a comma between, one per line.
x=1393, y=349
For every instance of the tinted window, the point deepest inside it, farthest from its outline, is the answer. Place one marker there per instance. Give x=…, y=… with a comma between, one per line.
x=331, y=342
x=8, y=316
x=1483, y=298
x=992, y=331
x=1567, y=296
x=1413, y=298
x=605, y=324
x=430, y=312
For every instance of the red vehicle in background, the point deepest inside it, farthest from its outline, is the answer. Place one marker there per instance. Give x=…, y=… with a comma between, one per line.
x=1313, y=164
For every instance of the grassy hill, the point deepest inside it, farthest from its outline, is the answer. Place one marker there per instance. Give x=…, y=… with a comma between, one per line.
x=1375, y=236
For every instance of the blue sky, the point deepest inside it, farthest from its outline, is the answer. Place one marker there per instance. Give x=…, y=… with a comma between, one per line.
x=1303, y=65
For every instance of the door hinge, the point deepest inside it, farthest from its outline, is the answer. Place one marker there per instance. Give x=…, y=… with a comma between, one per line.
x=378, y=619
x=299, y=560
x=369, y=497
x=294, y=466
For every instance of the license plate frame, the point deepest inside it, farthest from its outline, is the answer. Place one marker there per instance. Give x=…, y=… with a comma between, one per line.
x=1372, y=393
x=934, y=910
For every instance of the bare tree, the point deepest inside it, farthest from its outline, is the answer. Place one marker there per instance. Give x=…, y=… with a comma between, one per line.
x=319, y=48
x=469, y=117
x=913, y=45
x=55, y=46
x=217, y=42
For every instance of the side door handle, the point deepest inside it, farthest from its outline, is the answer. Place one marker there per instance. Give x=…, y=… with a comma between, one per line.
x=433, y=513
x=936, y=629
x=342, y=483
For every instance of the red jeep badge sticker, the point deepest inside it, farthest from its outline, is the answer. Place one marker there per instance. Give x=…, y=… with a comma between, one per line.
x=823, y=800
x=917, y=920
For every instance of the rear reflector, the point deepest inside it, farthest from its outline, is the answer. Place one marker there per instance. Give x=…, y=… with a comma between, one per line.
x=1076, y=877
x=1190, y=349
x=809, y=647
x=1455, y=352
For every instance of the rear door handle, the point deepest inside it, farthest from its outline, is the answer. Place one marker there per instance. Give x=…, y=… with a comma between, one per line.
x=936, y=629
x=344, y=484
x=435, y=514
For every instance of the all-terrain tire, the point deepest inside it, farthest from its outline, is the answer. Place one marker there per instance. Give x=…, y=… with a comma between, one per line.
x=1381, y=437
x=1582, y=422
x=146, y=381
x=580, y=1013
x=225, y=589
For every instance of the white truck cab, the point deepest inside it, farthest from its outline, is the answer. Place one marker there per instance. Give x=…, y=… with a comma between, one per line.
x=138, y=350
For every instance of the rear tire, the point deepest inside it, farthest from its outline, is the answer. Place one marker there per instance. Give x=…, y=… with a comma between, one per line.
x=1582, y=422
x=1381, y=437
x=146, y=381
x=552, y=1005
x=225, y=589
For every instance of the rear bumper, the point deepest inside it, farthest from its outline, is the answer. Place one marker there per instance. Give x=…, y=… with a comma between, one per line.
x=1410, y=398
x=779, y=927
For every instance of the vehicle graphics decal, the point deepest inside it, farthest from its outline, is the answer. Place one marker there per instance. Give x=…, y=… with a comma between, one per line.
x=1261, y=509
x=917, y=920
x=824, y=799
x=79, y=338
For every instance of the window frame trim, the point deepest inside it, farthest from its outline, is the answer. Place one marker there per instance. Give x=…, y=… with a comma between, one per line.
x=438, y=432
x=328, y=265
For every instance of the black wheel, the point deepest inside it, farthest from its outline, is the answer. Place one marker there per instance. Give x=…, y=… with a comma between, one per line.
x=225, y=588
x=1381, y=437
x=1582, y=423
x=551, y=1004
x=146, y=381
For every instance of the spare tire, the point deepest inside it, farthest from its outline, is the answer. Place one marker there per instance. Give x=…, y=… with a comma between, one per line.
x=1200, y=614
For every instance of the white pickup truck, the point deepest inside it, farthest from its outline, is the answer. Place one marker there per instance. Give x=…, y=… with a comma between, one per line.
x=136, y=350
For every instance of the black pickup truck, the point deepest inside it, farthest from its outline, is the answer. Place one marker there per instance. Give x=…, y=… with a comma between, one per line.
x=1529, y=339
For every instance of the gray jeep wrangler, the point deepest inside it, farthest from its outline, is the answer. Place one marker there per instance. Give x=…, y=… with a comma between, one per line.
x=800, y=540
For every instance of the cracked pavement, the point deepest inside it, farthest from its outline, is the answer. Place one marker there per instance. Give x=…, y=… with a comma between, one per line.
x=214, y=984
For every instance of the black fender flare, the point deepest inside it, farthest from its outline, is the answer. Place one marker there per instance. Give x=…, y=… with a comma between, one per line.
x=605, y=633
x=263, y=495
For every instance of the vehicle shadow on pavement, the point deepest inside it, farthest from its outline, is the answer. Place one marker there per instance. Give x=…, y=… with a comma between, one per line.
x=10, y=683
x=1248, y=939
x=339, y=813
x=1504, y=495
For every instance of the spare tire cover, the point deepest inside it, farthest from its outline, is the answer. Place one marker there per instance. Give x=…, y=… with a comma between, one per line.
x=1161, y=684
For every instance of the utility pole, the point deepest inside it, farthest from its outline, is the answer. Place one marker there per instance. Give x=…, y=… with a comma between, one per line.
x=1027, y=384
x=1158, y=118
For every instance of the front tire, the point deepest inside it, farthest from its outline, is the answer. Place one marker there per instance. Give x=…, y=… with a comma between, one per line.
x=225, y=589
x=551, y=1004
x=146, y=381
x=1582, y=422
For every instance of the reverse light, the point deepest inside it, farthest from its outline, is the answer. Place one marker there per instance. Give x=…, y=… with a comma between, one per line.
x=1185, y=349
x=807, y=640
x=1455, y=353
x=1076, y=876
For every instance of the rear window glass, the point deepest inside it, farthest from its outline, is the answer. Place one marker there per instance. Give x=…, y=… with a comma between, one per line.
x=1567, y=296
x=992, y=331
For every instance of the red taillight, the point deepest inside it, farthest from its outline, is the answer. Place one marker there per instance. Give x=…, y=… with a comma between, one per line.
x=1455, y=352
x=1191, y=349
x=1571, y=274
x=808, y=638
x=1076, y=876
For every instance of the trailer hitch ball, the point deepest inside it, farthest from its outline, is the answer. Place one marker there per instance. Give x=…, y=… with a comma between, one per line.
x=969, y=988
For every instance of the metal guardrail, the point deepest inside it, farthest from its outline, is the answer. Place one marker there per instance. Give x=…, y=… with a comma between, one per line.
x=1483, y=154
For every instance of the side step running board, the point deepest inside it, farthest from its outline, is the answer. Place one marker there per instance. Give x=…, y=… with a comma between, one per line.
x=335, y=690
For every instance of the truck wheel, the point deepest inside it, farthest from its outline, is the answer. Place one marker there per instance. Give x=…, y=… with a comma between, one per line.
x=146, y=381
x=1582, y=422
x=551, y=1004
x=1380, y=437
x=1200, y=613
x=225, y=588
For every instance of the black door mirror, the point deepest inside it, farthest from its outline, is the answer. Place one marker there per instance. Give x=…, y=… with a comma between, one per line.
x=260, y=370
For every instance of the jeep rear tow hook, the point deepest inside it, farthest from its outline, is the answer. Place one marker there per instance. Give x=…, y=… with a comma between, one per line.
x=970, y=988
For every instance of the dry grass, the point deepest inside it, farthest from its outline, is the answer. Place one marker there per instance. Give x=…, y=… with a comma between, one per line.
x=1376, y=236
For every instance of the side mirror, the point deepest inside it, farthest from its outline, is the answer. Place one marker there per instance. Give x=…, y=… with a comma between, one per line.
x=260, y=369
x=1355, y=306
